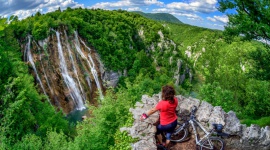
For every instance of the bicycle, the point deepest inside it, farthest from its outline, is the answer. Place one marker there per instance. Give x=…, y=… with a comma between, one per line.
x=208, y=141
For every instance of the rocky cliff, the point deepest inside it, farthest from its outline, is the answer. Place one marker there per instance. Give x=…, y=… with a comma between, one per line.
x=68, y=71
x=241, y=137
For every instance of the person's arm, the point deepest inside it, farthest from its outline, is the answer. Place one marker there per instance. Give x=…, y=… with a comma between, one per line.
x=150, y=112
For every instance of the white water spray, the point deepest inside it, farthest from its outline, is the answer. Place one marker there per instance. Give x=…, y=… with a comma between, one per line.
x=74, y=67
x=74, y=91
x=45, y=75
x=30, y=59
x=91, y=63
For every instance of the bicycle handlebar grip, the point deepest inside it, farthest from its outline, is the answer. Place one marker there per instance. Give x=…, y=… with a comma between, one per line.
x=194, y=109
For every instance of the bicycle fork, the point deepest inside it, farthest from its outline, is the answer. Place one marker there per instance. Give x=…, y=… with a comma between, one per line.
x=198, y=141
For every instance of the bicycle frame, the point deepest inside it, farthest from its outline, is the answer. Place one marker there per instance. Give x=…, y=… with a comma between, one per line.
x=194, y=122
x=204, y=141
x=207, y=134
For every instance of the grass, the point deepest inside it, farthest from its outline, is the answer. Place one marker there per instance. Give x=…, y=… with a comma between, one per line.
x=262, y=122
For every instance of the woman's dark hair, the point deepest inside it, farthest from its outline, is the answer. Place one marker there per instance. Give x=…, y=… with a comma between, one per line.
x=168, y=93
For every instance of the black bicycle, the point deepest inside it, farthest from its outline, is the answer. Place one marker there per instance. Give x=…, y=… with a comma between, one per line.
x=211, y=139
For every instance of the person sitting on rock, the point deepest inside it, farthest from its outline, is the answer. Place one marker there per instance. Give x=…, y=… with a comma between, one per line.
x=168, y=118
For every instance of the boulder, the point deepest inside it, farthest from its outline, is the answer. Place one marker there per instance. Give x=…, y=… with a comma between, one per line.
x=241, y=137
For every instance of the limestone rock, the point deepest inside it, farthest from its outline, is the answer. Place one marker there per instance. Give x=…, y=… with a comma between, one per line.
x=217, y=116
x=204, y=110
x=233, y=125
x=241, y=137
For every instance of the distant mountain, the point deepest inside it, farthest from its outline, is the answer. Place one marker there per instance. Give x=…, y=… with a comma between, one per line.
x=159, y=16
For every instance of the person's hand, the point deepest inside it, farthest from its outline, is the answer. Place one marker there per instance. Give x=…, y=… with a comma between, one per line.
x=143, y=117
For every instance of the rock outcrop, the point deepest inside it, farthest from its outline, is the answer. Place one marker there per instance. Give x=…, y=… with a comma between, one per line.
x=241, y=137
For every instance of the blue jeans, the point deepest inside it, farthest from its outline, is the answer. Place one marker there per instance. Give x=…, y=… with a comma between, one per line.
x=169, y=128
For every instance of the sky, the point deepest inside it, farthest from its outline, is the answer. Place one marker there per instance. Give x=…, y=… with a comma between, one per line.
x=201, y=13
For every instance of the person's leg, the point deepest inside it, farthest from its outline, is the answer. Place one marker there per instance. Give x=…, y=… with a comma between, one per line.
x=168, y=139
x=159, y=137
x=167, y=143
x=170, y=131
x=160, y=129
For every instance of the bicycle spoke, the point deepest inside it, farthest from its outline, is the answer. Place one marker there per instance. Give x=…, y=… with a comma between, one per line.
x=213, y=143
x=180, y=136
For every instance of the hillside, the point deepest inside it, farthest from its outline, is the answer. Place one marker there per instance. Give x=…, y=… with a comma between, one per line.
x=226, y=72
x=159, y=17
x=65, y=61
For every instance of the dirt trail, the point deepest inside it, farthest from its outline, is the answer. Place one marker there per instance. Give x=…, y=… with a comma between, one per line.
x=188, y=145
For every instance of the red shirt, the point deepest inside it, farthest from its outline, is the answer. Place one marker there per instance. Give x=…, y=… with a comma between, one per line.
x=167, y=111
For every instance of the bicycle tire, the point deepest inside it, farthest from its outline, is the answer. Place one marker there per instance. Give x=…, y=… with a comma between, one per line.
x=213, y=143
x=180, y=134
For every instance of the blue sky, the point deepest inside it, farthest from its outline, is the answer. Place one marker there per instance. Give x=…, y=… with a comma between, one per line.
x=201, y=13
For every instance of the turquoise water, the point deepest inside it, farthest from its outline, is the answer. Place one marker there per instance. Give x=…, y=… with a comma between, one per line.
x=75, y=116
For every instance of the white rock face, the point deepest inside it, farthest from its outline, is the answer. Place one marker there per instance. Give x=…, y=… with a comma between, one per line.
x=241, y=137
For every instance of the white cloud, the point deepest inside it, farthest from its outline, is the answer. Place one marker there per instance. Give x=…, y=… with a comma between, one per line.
x=126, y=3
x=153, y=2
x=203, y=6
x=184, y=9
x=211, y=19
x=25, y=13
x=134, y=9
x=107, y=5
x=223, y=19
x=190, y=16
x=25, y=8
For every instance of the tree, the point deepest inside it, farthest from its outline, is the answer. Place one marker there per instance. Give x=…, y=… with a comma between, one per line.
x=3, y=24
x=251, y=20
x=22, y=111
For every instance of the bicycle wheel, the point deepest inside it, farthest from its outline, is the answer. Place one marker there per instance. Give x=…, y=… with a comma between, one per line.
x=213, y=143
x=179, y=134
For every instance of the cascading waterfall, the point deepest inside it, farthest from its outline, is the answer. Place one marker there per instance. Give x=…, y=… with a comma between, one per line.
x=95, y=75
x=74, y=91
x=46, y=78
x=91, y=65
x=74, y=67
x=30, y=59
x=42, y=67
x=88, y=82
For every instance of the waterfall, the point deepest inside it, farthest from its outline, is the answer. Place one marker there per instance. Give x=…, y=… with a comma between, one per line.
x=46, y=78
x=88, y=82
x=74, y=67
x=91, y=63
x=30, y=59
x=42, y=67
x=74, y=91
x=95, y=75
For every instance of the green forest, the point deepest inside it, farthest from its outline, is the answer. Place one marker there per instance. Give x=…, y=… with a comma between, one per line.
x=228, y=71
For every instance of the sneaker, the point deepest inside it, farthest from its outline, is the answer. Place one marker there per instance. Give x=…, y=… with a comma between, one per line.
x=161, y=147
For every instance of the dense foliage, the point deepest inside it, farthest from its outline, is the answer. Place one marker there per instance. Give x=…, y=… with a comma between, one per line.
x=249, y=18
x=22, y=112
x=228, y=75
x=114, y=34
x=234, y=76
x=120, y=47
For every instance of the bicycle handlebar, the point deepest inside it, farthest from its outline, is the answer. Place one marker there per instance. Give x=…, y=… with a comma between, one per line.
x=193, y=110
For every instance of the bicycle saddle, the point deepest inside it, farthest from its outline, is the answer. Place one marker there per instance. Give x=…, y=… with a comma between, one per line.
x=218, y=127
